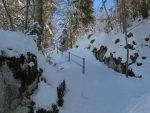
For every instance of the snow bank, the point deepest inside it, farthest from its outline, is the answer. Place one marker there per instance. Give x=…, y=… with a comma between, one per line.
x=16, y=43
x=13, y=44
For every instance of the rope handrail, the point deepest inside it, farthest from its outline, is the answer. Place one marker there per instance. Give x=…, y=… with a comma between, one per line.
x=83, y=61
x=76, y=55
x=76, y=62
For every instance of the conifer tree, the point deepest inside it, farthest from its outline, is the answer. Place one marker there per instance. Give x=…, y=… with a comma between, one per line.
x=144, y=9
x=86, y=9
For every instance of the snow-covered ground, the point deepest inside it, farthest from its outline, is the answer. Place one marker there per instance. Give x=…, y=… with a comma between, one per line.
x=100, y=89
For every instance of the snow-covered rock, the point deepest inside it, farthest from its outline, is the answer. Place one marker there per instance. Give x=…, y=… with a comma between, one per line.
x=19, y=72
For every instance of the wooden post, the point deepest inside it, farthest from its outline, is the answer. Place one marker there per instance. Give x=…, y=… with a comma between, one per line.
x=83, y=70
x=69, y=57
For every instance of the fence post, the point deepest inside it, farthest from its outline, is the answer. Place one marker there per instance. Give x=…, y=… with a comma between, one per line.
x=69, y=57
x=54, y=46
x=57, y=49
x=62, y=50
x=83, y=70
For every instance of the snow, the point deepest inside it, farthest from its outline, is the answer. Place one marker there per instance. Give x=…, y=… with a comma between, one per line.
x=100, y=89
x=140, y=105
x=13, y=44
x=16, y=43
x=31, y=64
x=45, y=95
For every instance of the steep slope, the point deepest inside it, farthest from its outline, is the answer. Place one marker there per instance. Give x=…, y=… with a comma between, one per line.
x=109, y=48
x=101, y=89
x=98, y=90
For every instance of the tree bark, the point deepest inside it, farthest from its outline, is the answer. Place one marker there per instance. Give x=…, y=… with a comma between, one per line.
x=39, y=12
x=8, y=14
x=27, y=11
x=125, y=31
x=109, y=21
x=39, y=19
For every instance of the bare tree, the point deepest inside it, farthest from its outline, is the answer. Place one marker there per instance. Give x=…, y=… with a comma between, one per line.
x=109, y=20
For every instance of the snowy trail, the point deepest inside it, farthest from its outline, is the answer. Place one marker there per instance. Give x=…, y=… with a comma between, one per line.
x=141, y=105
x=99, y=90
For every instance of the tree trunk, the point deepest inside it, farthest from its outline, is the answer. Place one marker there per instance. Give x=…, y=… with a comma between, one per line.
x=39, y=13
x=8, y=14
x=39, y=18
x=27, y=11
x=125, y=31
x=109, y=21
x=33, y=7
x=78, y=14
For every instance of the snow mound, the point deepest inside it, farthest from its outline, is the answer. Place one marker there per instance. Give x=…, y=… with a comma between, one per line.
x=16, y=43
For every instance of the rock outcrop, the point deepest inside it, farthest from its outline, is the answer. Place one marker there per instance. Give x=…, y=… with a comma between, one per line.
x=18, y=79
x=111, y=61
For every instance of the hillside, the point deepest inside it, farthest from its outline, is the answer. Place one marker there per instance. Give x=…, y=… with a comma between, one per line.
x=114, y=41
x=74, y=56
x=100, y=89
